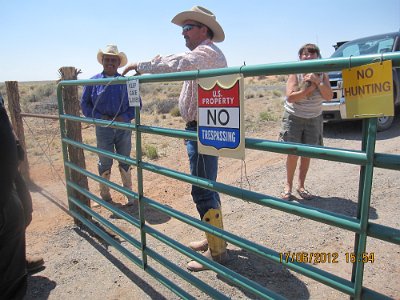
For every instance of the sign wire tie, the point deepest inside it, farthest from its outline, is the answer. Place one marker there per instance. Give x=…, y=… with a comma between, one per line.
x=379, y=59
x=240, y=70
x=350, y=62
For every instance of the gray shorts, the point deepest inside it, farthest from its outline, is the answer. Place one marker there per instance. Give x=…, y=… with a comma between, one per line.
x=301, y=130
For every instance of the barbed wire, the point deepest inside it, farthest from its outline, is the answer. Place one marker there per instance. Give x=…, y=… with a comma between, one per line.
x=44, y=151
x=245, y=174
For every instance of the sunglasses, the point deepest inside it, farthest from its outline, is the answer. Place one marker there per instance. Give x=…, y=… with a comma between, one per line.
x=188, y=27
x=110, y=59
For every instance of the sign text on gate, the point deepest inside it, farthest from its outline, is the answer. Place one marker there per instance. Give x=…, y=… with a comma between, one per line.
x=368, y=90
x=220, y=116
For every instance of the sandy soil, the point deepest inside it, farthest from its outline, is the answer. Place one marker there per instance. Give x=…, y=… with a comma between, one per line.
x=80, y=266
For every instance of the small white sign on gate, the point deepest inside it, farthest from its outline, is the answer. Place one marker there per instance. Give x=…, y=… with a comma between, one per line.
x=133, y=92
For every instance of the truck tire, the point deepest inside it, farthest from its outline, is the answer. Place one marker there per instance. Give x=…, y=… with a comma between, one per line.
x=384, y=123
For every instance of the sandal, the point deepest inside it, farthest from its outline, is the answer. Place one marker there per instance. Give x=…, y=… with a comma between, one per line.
x=306, y=195
x=286, y=196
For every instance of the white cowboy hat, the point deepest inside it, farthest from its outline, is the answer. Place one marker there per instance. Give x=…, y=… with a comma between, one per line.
x=203, y=16
x=112, y=50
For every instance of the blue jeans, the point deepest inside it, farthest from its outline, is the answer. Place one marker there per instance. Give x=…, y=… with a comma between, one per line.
x=113, y=140
x=205, y=166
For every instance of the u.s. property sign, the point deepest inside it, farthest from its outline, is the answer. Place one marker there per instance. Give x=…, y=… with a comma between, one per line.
x=220, y=116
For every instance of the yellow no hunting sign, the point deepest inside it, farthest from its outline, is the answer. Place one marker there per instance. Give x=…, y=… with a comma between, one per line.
x=368, y=90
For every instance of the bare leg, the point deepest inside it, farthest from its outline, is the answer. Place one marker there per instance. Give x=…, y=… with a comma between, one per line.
x=291, y=163
x=304, y=166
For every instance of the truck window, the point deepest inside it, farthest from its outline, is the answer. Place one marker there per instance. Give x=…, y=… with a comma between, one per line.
x=353, y=50
x=364, y=47
x=385, y=46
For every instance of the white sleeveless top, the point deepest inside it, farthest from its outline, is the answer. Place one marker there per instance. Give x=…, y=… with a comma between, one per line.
x=309, y=107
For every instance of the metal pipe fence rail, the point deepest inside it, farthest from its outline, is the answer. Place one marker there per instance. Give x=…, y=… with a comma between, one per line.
x=366, y=158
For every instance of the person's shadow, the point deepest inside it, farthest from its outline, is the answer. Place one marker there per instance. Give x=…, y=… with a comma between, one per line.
x=273, y=276
x=152, y=216
x=352, y=130
x=337, y=205
x=102, y=247
x=39, y=287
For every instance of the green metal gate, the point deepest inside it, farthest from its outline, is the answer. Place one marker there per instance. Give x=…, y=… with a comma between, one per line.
x=362, y=228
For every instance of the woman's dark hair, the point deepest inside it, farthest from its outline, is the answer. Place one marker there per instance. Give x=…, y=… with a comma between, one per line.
x=310, y=48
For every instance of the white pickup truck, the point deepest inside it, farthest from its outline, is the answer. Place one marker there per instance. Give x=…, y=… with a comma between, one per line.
x=376, y=44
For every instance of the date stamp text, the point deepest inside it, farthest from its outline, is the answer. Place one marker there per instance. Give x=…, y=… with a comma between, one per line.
x=325, y=257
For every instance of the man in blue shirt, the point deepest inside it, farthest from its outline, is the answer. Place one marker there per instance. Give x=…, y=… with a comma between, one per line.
x=110, y=102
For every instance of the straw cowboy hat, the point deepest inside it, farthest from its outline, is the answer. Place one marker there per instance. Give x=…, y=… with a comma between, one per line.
x=112, y=50
x=203, y=16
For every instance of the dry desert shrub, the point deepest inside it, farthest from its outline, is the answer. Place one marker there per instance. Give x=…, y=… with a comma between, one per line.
x=159, y=106
x=175, y=112
x=150, y=151
x=268, y=116
x=277, y=93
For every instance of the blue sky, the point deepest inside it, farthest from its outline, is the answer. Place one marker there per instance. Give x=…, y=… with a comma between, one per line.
x=38, y=37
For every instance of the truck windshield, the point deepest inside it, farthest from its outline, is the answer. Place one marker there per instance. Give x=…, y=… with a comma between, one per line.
x=365, y=46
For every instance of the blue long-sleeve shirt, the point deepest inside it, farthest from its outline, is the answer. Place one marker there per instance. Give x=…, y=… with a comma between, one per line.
x=102, y=101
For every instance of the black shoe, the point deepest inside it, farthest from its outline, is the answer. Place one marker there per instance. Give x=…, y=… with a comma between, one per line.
x=33, y=264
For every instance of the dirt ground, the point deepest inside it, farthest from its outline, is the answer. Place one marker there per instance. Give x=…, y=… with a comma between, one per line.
x=80, y=266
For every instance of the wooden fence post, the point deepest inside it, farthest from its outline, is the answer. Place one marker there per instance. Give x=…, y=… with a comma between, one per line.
x=16, y=119
x=74, y=132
